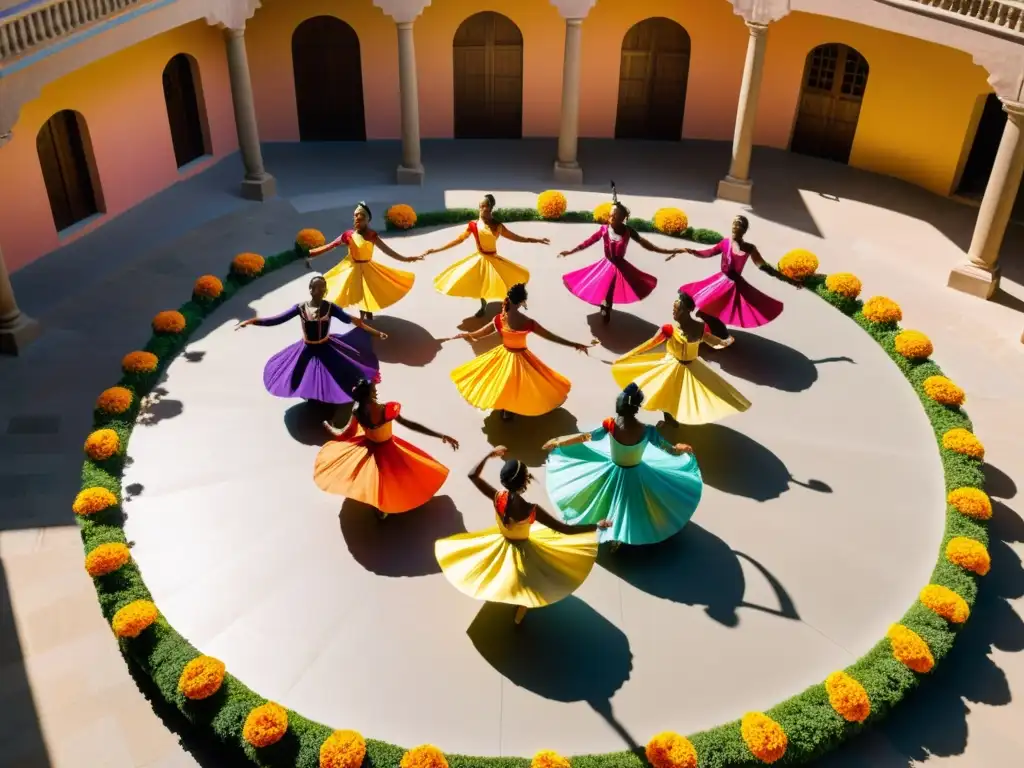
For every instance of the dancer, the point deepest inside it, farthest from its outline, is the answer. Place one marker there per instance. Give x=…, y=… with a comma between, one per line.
x=510, y=378
x=483, y=274
x=613, y=280
x=625, y=472
x=358, y=280
x=320, y=367
x=678, y=383
x=366, y=463
x=529, y=559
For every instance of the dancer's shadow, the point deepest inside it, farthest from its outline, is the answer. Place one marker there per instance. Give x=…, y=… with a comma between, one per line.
x=998, y=484
x=524, y=436
x=158, y=407
x=407, y=343
x=400, y=545
x=768, y=363
x=305, y=421
x=474, y=323
x=625, y=332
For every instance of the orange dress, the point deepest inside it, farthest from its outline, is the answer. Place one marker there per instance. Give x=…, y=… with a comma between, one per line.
x=378, y=469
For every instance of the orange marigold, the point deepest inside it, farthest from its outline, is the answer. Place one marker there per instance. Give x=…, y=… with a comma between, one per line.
x=671, y=221
x=265, y=725
x=201, y=678
x=93, y=500
x=248, y=264
x=169, y=321
x=943, y=391
x=106, y=558
x=670, y=750
x=914, y=345
x=798, y=264
x=401, y=216
x=969, y=554
x=343, y=749
x=946, y=603
x=102, y=444
x=602, y=213
x=764, y=737
x=310, y=238
x=909, y=649
x=848, y=697
x=879, y=309
x=548, y=759
x=208, y=287
x=425, y=756
x=551, y=204
x=139, y=362
x=844, y=283
x=971, y=502
x=115, y=400
x=959, y=440
x=131, y=620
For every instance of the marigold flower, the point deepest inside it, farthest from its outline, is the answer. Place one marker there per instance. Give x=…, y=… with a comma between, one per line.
x=425, y=756
x=764, y=737
x=131, y=620
x=102, y=444
x=169, y=321
x=139, y=362
x=343, y=749
x=879, y=309
x=115, y=400
x=971, y=502
x=671, y=221
x=848, y=697
x=959, y=440
x=798, y=264
x=670, y=750
x=602, y=213
x=248, y=264
x=946, y=603
x=208, y=287
x=943, y=391
x=93, y=500
x=106, y=558
x=914, y=345
x=201, y=678
x=969, y=554
x=551, y=204
x=265, y=725
x=310, y=238
x=401, y=216
x=844, y=283
x=910, y=649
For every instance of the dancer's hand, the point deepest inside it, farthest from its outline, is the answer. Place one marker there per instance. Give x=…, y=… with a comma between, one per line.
x=604, y=524
x=447, y=440
x=542, y=241
x=585, y=348
x=414, y=258
x=382, y=336
x=428, y=252
x=243, y=323
x=550, y=445
x=563, y=254
x=309, y=263
x=453, y=338
x=681, y=448
x=499, y=452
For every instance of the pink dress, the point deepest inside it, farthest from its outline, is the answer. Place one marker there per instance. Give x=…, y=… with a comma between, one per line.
x=727, y=296
x=626, y=283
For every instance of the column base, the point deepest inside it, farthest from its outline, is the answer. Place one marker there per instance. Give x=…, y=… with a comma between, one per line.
x=259, y=189
x=17, y=334
x=974, y=280
x=568, y=173
x=410, y=176
x=735, y=190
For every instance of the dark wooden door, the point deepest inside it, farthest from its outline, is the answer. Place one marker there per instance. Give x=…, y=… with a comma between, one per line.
x=328, y=81
x=982, y=157
x=488, y=75
x=835, y=78
x=61, y=147
x=654, y=69
x=183, y=110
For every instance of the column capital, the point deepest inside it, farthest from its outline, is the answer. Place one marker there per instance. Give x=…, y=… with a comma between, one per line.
x=402, y=11
x=230, y=14
x=573, y=22
x=1013, y=109
x=404, y=24
x=574, y=10
x=757, y=29
x=761, y=11
x=234, y=33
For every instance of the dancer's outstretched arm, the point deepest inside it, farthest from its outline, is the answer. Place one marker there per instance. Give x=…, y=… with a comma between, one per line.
x=705, y=253
x=457, y=241
x=505, y=231
x=643, y=242
x=446, y=439
x=584, y=245
x=561, y=442
x=546, y=518
x=342, y=434
x=477, y=335
x=659, y=338
x=314, y=252
x=264, y=322
x=340, y=314
x=674, y=450
x=482, y=485
x=764, y=266
x=377, y=241
x=544, y=333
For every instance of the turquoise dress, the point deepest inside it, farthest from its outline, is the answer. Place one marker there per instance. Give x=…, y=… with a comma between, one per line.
x=646, y=492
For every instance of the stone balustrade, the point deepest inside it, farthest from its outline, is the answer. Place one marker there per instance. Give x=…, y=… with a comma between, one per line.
x=1008, y=14
x=40, y=24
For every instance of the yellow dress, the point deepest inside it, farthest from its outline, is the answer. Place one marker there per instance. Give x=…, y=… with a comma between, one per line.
x=511, y=378
x=518, y=563
x=483, y=274
x=678, y=382
x=359, y=281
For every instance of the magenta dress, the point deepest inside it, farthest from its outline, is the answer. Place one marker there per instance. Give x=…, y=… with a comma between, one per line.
x=626, y=283
x=727, y=296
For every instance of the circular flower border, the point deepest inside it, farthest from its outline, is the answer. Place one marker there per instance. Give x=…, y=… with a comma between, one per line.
x=799, y=729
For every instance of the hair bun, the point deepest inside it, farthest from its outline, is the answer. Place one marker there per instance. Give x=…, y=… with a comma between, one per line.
x=632, y=388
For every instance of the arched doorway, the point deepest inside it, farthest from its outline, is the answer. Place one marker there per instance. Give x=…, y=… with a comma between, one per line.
x=185, y=113
x=65, y=157
x=328, y=81
x=835, y=78
x=654, y=69
x=984, y=148
x=488, y=75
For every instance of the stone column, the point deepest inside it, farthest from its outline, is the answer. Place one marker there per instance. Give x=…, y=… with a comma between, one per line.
x=17, y=330
x=411, y=169
x=257, y=184
x=567, y=168
x=980, y=275
x=737, y=186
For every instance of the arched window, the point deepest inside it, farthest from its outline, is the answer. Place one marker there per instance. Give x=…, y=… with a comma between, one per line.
x=186, y=111
x=835, y=78
x=69, y=171
x=652, y=81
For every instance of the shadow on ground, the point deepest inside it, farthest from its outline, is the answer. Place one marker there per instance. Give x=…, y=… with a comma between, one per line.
x=305, y=420
x=625, y=332
x=524, y=436
x=407, y=344
x=769, y=363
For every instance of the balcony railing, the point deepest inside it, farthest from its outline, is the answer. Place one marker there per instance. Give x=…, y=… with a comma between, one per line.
x=1008, y=14
x=36, y=25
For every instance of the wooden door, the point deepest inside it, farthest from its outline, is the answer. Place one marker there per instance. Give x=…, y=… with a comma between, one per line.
x=488, y=78
x=183, y=111
x=328, y=81
x=835, y=78
x=653, y=73
x=65, y=163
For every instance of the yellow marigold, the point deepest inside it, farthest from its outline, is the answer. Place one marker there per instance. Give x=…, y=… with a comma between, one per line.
x=102, y=444
x=170, y=321
x=764, y=737
x=847, y=697
x=265, y=725
x=139, y=362
x=106, y=558
x=343, y=749
x=909, y=649
x=425, y=756
x=945, y=602
x=551, y=204
x=959, y=440
x=879, y=309
x=670, y=750
x=208, y=287
x=969, y=554
x=401, y=216
x=671, y=221
x=310, y=238
x=971, y=502
x=844, y=283
x=914, y=345
x=201, y=678
x=602, y=212
x=943, y=391
x=548, y=759
x=248, y=264
x=798, y=264
x=93, y=500
x=131, y=620
x=114, y=400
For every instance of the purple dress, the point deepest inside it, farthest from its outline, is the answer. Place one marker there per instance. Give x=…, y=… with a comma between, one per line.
x=321, y=366
x=626, y=283
x=727, y=296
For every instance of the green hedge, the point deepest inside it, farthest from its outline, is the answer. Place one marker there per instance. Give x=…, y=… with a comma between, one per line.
x=160, y=654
